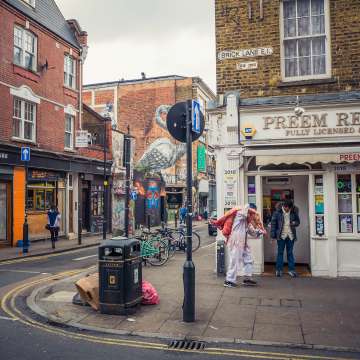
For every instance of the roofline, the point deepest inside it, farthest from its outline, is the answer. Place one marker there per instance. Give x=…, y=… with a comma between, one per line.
x=93, y=112
x=202, y=83
x=131, y=81
x=78, y=46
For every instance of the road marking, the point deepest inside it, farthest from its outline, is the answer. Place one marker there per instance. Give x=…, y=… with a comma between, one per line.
x=23, y=271
x=84, y=257
x=7, y=318
x=42, y=257
x=16, y=314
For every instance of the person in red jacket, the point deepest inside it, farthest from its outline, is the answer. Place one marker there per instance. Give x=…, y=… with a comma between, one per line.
x=235, y=225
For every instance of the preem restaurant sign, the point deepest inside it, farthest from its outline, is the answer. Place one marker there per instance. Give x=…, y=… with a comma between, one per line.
x=329, y=123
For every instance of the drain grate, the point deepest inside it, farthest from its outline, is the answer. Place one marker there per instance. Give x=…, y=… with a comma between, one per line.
x=187, y=345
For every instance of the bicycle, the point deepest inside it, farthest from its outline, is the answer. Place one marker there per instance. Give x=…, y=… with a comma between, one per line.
x=177, y=239
x=153, y=248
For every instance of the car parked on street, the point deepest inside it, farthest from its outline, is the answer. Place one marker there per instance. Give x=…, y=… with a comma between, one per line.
x=212, y=228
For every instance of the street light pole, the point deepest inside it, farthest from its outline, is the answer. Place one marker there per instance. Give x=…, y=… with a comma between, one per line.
x=127, y=149
x=189, y=267
x=105, y=183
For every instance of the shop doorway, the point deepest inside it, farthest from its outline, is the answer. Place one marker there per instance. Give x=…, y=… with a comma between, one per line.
x=85, y=209
x=5, y=213
x=276, y=190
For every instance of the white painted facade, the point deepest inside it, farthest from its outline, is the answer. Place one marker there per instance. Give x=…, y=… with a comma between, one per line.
x=301, y=160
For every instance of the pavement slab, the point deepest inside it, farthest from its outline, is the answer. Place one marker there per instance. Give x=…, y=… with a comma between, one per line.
x=234, y=316
x=278, y=333
x=277, y=316
x=244, y=333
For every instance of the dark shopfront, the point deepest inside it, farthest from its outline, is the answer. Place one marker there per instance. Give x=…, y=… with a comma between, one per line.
x=91, y=190
x=46, y=184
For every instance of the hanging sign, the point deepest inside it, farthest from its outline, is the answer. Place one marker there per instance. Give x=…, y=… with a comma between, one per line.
x=251, y=65
x=81, y=139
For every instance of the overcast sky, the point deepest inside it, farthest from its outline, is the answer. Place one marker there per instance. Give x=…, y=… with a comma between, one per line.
x=158, y=37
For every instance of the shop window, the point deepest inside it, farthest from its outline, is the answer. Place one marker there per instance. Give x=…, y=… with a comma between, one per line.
x=348, y=202
x=319, y=205
x=40, y=196
x=97, y=203
x=251, y=190
x=305, y=39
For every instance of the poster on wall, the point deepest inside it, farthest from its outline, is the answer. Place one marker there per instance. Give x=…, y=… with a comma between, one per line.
x=346, y=224
x=230, y=188
x=320, y=227
x=319, y=204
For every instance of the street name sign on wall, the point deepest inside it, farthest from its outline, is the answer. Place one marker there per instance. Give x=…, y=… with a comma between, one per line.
x=245, y=53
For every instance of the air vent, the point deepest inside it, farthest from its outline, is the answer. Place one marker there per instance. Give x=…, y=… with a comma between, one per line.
x=187, y=345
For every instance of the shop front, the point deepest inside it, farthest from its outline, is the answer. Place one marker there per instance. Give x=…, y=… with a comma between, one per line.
x=313, y=160
x=6, y=178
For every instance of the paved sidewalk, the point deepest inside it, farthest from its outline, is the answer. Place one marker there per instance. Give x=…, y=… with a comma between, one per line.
x=310, y=312
x=42, y=247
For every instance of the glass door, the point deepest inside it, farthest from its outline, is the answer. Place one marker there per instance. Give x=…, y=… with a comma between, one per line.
x=3, y=212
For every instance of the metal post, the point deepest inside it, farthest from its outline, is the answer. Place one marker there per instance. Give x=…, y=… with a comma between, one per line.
x=105, y=185
x=176, y=220
x=26, y=225
x=189, y=267
x=148, y=221
x=127, y=184
x=79, y=230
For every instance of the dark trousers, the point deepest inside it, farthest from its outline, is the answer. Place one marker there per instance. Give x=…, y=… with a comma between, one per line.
x=289, y=244
x=54, y=232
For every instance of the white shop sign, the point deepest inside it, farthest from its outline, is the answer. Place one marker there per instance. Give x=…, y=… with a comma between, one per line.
x=251, y=65
x=230, y=187
x=81, y=138
x=245, y=53
x=285, y=125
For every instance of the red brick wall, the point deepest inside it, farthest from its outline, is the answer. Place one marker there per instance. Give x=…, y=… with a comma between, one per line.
x=87, y=97
x=104, y=97
x=50, y=118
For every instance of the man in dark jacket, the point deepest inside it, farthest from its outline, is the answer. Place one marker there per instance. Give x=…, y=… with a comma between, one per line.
x=283, y=228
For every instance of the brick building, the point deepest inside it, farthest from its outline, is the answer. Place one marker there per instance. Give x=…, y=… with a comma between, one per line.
x=288, y=122
x=40, y=89
x=142, y=104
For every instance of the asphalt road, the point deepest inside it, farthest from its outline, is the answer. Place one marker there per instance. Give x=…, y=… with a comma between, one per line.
x=19, y=340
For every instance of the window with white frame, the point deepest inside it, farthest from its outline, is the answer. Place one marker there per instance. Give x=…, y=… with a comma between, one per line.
x=305, y=39
x=24, y=120
x=30, y=2
x=69, y=71
x=25, y=48
x=348, y=198
x=69, y=131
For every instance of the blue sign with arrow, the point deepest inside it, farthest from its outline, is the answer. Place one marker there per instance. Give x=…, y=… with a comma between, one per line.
x=196, y=121
x=25, y=153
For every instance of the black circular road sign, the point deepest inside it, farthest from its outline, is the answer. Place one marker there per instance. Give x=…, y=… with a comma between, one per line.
x=176, y=122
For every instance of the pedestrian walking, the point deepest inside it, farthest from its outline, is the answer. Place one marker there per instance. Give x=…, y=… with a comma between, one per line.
x=53, y=224
x=284, y=222
x=182, y=213
x=236, y=225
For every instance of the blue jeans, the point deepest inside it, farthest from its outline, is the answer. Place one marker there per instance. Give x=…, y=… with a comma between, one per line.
x=289, y=251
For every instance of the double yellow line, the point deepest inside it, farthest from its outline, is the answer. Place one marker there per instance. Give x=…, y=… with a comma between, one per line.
x=8, y=305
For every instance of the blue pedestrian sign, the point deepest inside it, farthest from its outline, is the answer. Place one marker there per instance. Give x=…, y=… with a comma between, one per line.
x=133, y=195
x=196, y=121
x=25, y=153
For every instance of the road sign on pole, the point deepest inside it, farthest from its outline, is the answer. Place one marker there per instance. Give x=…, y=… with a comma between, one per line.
x=25, y=153
x=196, y=121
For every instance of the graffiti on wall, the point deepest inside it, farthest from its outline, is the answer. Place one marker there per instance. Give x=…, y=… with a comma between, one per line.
x=153, y=195
x=162, y=153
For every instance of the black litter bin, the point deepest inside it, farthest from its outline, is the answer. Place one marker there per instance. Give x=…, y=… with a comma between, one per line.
x=120, y=276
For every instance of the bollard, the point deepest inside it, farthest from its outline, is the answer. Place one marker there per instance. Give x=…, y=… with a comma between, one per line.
x=25, y=236
x=79, y=230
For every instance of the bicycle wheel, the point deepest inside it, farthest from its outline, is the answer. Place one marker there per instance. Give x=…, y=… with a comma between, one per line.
x=171, y=244
x=156, y=251
x=195, y=241
x=181, y=241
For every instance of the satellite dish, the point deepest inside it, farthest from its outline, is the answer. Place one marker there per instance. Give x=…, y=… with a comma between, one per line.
x=176, y=122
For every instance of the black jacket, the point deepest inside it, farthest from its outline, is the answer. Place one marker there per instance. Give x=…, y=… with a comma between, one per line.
x=277, y=223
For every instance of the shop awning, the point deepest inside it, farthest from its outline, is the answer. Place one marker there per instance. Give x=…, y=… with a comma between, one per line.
x=302, y=156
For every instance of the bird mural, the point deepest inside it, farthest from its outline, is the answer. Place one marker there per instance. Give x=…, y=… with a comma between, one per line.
x=162, y=153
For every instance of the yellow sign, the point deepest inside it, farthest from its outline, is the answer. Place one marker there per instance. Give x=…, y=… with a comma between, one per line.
x=248, y=131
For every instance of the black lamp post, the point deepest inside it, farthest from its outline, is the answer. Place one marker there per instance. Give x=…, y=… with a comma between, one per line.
x=106, y=182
